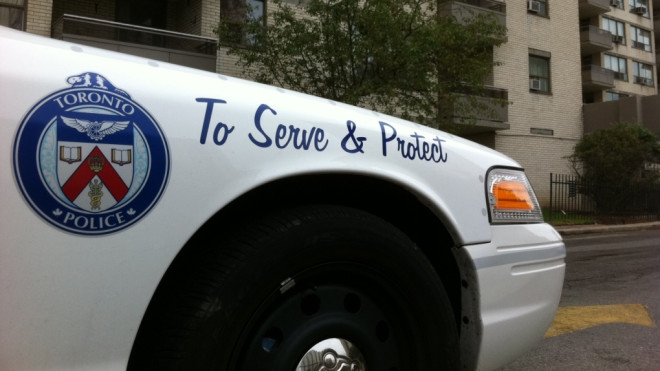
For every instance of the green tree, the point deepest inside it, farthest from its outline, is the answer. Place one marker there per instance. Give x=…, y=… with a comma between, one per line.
x=612, y=163
x=403, y=57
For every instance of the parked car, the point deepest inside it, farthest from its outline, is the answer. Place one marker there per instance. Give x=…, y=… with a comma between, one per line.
x=160, y=217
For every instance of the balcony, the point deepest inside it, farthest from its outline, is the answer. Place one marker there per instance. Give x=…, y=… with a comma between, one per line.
x=640, y=109
x=596, y=78
x=594, y=40
x=592, y=8
x=491, y=114
x=464, y=10
x=162, y=45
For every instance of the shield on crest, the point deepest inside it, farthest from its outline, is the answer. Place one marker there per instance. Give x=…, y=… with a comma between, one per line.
x=95, y=159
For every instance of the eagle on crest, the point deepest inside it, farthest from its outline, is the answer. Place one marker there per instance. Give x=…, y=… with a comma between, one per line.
x=94, y=129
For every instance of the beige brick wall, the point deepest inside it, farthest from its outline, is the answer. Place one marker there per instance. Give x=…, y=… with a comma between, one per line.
x=561, y=110
x=226, y=65
x=210, y=17
x=38, y=17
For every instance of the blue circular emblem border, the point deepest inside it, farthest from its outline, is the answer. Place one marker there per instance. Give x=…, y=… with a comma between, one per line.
x=65, y=216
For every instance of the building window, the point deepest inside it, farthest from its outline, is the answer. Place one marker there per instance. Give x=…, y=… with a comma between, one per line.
x=12, y=14
x=538, y=7
x=641, y=39
x=643, y=73
x=618, y=65
x=539, y=74
x=235, y=13
x=611, y=95
x=639, y=7
x=617, y=29
x=617, y=4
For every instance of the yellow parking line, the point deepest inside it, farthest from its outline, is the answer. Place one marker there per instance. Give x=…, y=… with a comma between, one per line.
x=571, y=319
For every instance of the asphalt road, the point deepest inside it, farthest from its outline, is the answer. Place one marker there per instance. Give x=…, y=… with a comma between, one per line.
x=610, y=307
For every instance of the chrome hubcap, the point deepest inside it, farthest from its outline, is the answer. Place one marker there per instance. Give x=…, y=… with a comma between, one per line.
x=332, y=355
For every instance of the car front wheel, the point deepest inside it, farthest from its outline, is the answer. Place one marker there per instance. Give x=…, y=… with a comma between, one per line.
x=312, y=288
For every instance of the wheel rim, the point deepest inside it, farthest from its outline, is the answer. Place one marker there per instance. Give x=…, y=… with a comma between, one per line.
x=327, y=315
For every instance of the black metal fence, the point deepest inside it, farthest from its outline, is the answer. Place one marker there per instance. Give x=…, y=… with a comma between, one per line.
x=573, y=201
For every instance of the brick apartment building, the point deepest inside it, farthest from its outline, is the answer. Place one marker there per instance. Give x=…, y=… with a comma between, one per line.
x=568, y=67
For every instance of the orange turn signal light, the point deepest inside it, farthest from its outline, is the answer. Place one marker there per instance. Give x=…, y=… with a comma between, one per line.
x=512, y=195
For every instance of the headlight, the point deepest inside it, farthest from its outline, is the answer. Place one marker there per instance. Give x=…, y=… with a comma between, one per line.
x=511, y=198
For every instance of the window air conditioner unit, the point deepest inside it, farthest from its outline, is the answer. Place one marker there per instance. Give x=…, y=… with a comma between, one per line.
x=533, y=6
x=640, y=10
x=534, y=84
x=643, y=80
x=615, y=3
x=619, y=75
x=617, y=39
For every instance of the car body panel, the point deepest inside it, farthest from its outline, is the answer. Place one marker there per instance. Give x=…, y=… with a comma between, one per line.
x=527, y=265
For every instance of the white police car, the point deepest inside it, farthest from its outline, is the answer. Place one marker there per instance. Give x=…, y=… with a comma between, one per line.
x=158, y=217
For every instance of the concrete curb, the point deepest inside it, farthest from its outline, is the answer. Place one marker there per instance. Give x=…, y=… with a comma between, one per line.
x=567, y=230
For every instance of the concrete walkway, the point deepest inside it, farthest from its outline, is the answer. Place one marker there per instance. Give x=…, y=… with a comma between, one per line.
x=566, y=230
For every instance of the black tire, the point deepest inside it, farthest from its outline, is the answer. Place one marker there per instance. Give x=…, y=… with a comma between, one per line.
x=261, y=300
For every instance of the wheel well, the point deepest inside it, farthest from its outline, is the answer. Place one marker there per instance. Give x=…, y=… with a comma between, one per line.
x=392, y=202
x=387, y=200
x=209, y=290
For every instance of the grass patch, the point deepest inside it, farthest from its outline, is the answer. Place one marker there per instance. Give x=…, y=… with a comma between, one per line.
x=558, y=218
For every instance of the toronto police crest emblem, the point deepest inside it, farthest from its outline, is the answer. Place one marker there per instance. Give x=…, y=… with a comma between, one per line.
x=89, y=159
